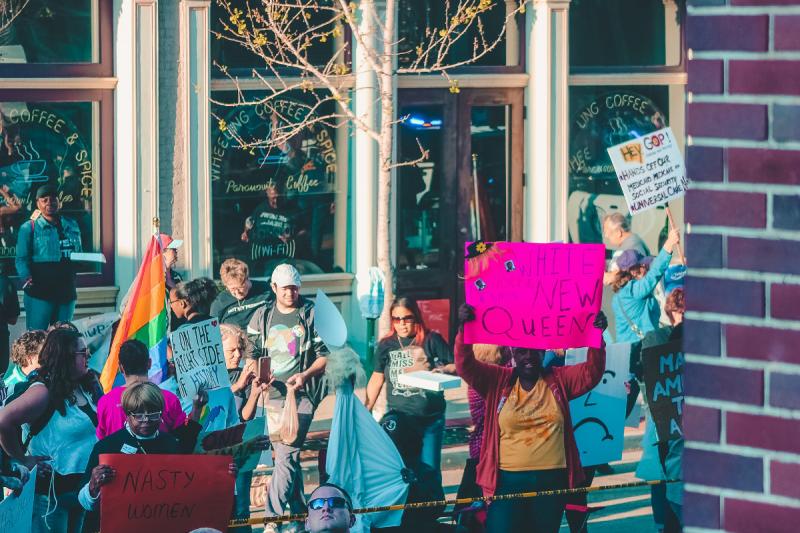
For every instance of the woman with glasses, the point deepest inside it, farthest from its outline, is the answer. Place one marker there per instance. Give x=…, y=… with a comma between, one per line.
x=408, y=347
x=143, y=404
x=54, y=422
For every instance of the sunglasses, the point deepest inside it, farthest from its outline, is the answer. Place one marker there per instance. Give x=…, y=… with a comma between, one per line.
x=146, y=417
x=334, y=502
x=408, y=319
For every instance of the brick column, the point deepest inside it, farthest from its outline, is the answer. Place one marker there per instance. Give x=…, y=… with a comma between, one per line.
x=742, y=378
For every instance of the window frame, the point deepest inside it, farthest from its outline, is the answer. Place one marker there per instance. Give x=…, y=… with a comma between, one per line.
x=103, y=68
x=104, y=169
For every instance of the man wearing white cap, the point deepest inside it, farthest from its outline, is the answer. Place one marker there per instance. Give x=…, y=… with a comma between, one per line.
x=285, y=332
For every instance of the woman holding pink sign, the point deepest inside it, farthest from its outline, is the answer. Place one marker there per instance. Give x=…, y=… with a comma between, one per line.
x=528, y=443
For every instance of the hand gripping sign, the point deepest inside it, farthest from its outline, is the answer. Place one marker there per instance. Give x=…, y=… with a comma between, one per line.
x=534, y=295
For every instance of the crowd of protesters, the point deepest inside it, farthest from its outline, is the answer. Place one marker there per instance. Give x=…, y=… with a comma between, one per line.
x=56, y=417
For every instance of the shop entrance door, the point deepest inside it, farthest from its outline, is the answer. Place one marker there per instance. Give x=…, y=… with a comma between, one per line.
x=468, y=188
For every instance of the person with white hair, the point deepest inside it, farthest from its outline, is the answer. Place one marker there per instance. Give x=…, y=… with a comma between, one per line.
x=617, y=233
x=286, y=333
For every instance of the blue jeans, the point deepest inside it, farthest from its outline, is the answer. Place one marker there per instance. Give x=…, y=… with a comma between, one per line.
x=39, y=314
x=241, y=506
x=532, y=515
x=431, y=452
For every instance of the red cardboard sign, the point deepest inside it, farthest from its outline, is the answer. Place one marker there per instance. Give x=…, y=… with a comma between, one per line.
x=436, y=314
x=166, y=493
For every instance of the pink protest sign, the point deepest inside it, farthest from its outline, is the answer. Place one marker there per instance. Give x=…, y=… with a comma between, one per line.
x=534, y=295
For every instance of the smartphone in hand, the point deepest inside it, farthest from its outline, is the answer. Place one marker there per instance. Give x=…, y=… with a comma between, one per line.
x=264, y=369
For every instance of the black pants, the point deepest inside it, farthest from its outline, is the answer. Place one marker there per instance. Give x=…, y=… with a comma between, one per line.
x=532, y=515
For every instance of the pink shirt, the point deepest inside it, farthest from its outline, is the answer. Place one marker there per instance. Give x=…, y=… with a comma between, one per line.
x=111, y=417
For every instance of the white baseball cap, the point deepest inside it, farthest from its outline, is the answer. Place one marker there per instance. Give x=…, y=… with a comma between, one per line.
x=285, y=275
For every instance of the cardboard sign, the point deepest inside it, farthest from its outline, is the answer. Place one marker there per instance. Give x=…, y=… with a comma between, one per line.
x=16, y=511
x=534, y=295
x=237, y=442
x=662, y=369
x=198, y=356
x=96, y=331
x=220, y=411
x=436, y=314
x=650, y=169
x=598, y=417
x=166, y=493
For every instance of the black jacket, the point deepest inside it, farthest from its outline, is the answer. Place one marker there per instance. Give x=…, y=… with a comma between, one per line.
x=311, y=346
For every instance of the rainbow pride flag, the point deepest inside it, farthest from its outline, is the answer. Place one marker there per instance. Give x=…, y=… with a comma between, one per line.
x=144, y=317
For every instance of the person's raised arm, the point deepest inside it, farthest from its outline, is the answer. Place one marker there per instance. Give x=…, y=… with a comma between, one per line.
x=478, y=375
x=641, y=288
x=581, y=378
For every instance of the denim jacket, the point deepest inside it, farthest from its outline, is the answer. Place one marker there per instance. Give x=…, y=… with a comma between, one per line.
x=38, y=242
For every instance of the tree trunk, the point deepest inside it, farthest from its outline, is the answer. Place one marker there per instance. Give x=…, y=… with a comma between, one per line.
x=386, y=87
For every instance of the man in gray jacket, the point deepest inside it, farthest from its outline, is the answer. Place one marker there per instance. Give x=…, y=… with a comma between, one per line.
x=285, y=332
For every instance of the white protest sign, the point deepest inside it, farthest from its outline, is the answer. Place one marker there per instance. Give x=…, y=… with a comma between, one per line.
x=328, y=321
x=650, y=169
x=16, y=511
x=198, y=356
x=96, y=331
x=598, y=417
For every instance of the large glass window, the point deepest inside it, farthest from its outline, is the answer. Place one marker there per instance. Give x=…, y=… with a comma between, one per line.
x=603, y=116
x=624, y=33
x=278, y=204
x=420, y=22
x=55, y=143
x=49, y=31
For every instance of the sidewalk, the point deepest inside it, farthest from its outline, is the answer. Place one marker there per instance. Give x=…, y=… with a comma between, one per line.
x=618, y=510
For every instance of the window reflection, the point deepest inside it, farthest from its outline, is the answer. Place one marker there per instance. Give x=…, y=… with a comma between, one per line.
x=632, y=33
x=603, y=117
x=48, y=143
x=48, y=31
x=274, y=205
x=419, y=188
x=490, y=134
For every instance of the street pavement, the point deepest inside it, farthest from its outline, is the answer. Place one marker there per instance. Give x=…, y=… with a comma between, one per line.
x=618, y=510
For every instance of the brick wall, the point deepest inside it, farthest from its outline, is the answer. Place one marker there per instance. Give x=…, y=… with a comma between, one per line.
x=742, y=418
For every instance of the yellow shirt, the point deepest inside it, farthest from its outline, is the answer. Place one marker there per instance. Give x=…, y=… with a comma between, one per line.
x=531, y=430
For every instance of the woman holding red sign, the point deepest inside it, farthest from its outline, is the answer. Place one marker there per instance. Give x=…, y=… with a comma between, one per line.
x=528, y=443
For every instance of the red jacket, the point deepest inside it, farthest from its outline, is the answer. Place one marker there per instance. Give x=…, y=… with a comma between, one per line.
x=494, y=382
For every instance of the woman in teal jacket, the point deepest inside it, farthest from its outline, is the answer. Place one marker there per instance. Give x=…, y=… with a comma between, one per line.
x=635, y=307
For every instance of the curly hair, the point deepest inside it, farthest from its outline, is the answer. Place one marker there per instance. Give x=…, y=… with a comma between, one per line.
x=57, y=365
x=675, y=304
x=198, y=293
x=27, y=347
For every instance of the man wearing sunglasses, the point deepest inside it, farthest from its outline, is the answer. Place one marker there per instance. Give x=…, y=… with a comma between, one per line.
x=330, y=510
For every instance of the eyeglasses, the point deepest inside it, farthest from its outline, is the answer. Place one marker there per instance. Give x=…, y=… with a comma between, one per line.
x=84, y=353
x=334, y=502
x=146, y=417
x=408, y=319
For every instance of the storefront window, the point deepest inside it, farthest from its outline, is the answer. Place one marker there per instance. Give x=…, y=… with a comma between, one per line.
x=49, y=143
x=49, y=31
x=419, y=19
x=601, y=117
x=274, y=205
x=229, y=51
x=632, y=32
